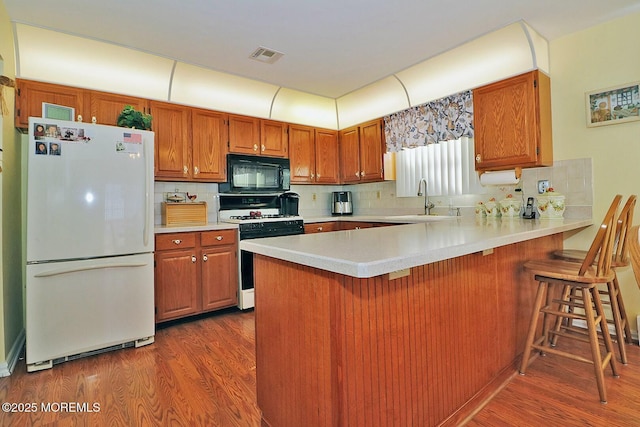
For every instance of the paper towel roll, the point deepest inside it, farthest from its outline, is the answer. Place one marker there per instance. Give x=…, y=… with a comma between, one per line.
x=508, y=177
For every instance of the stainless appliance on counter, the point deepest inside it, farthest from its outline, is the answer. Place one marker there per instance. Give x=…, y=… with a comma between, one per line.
x=257, y=215
x=341, y=203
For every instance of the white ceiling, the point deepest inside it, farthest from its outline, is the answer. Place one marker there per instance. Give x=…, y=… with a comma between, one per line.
x=331, y=47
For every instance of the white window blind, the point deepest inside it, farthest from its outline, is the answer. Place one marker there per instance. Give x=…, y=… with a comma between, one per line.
x=448, y=167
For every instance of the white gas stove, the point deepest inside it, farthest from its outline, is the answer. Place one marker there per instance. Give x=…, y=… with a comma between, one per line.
x=257, y=216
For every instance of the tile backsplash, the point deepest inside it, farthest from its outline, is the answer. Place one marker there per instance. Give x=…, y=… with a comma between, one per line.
x=206, y=192
x=573, y=178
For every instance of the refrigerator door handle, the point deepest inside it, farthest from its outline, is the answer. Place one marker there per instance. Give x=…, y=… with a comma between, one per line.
x=89, y=267
x=145, y=237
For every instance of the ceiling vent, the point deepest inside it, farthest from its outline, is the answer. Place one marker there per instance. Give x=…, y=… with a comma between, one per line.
x=266, y=55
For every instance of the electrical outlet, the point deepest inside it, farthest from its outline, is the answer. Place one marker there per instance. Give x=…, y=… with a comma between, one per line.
x=379, y=194
x=543, y=185
x=313, y=197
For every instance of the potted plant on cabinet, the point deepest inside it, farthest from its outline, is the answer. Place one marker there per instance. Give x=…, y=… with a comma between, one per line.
x=132, y=118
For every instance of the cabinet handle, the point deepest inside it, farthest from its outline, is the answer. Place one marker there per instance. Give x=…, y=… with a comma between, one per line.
x=193, y=258
x=358, y=174
x=312, y=176
x=320, y=228
x=80, y=117
x=94, y=120
x=177, y=241
x=255, y=147
x=263, y=147
x=362, y=174
x=478, y=158
x=185, y=170
x=218, y=238
x=204, y=257
x=318, y=176
x=196, y=170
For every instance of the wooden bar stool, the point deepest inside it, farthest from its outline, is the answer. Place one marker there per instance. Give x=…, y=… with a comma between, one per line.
x=634, y=251
x=620, y=258
x=557, y=280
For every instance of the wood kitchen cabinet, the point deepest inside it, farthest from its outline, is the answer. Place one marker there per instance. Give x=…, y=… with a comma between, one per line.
x=321, y=227
x=209, y=145
x=30, y=95
x=176, y=276
x=219, y=269
x=512, y=123
x=190, y=143
x=195, y=273
x=274, y=140
x=171, y=124
x=244, y=134
x=106, y=107
x=314, y=155
x=361, y=152
x=249, y=135
x=355, y=225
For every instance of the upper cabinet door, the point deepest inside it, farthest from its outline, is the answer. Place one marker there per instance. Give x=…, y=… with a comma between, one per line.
x=209, y=138
x=371, y=143
x=327, y=168
x=106, y=107
x=30, y=95
x=244, y=134
x=273, y=138
x=302, y=153
x=349, y=141
x=171, y=124
x=512, y=123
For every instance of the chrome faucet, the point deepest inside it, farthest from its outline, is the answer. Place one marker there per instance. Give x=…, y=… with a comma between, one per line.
x=427, y=204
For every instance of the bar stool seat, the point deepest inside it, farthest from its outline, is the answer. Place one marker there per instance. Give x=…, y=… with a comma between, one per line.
x=558, y=281
x=620, y=259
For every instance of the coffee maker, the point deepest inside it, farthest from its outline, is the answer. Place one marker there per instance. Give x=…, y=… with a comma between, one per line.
x=289, y=204
x=341, y=203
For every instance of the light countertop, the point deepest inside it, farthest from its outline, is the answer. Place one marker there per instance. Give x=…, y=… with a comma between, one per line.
x=159, y=229
x=375, y=251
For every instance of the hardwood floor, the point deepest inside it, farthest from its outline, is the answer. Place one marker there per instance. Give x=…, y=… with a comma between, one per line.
x=202, y=373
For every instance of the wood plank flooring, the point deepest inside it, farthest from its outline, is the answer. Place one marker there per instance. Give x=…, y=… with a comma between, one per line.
x=202, y=373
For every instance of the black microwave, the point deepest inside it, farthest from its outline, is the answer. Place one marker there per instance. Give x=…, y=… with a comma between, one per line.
x=256, y=174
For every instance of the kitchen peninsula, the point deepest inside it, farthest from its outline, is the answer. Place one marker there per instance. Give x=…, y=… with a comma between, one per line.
x=411, y=325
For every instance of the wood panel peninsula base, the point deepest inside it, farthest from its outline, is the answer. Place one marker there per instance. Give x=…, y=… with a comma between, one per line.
x=425, y=349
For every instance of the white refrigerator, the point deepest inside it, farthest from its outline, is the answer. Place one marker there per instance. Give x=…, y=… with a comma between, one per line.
x=89, y=234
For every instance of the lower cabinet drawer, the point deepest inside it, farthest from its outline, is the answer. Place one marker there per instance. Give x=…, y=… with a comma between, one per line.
x=170, y=241
x=218, y=237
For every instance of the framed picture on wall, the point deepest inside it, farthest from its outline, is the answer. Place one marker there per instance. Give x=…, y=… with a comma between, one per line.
x=618, y=104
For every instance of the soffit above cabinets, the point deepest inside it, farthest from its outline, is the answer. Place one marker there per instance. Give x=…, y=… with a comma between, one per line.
x=55, y=57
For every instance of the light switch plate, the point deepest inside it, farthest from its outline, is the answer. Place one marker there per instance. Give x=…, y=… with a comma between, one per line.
x=543, y=185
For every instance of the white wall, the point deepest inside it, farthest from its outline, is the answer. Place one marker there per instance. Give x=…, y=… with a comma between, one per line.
x=599, y=57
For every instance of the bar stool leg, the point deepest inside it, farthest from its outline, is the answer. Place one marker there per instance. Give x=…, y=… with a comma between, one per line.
x=533, y=325
x=622, y=311
x=567, y=295
x=605, y=334
x=614, y=300
x=593, y=341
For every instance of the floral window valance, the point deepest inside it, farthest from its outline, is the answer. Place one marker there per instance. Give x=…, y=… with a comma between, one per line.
x=440, y=120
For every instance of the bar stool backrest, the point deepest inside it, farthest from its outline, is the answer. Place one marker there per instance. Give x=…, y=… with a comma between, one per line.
x=634, y=251
x=602, y=247
x=625, y=221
